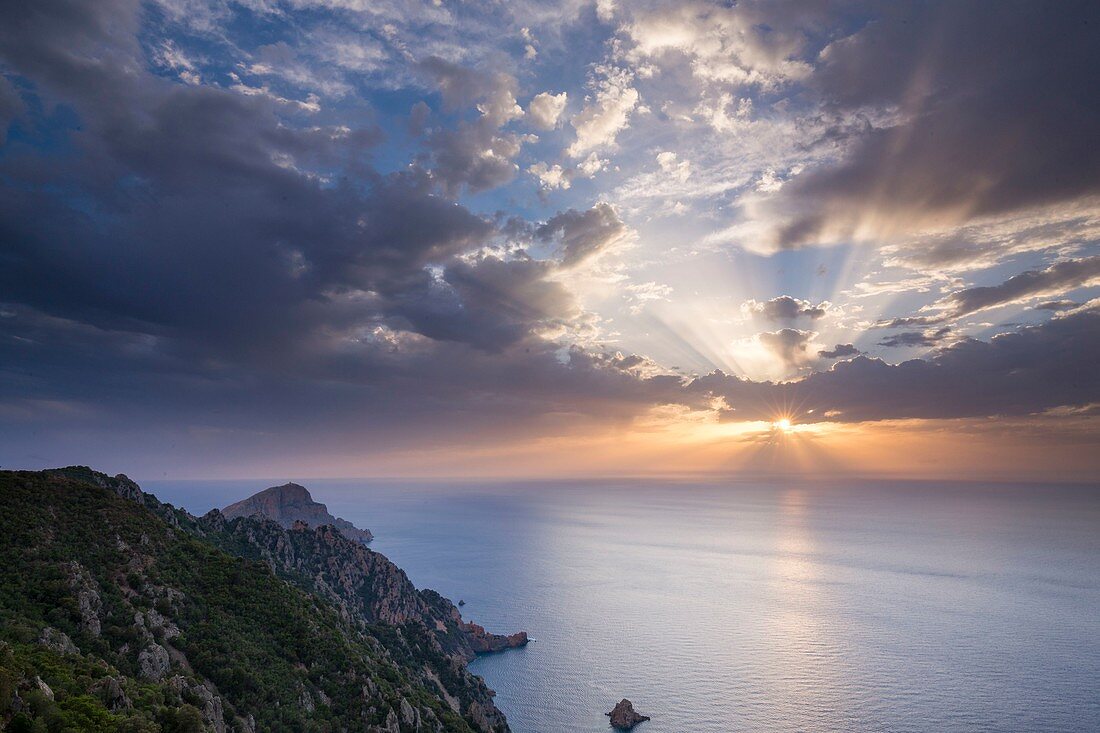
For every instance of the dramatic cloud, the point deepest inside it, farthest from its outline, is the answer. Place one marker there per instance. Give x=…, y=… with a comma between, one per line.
x=729, y=44
x=1058, y=278
x=1029, y=371
x=294, y=228
x=994, y=114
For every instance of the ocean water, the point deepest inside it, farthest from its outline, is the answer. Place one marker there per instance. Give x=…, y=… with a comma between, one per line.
x=724, y=607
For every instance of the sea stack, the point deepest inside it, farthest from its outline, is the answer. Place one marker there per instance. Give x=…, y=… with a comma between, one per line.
x=623, y=716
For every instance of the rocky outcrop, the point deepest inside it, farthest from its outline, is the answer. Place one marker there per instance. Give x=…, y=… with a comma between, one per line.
x=113, y=696
x=154, y=662
x=623, y=716
x=292, y=503
x=482, y=642
x=209, y=705
x=364, y=583
x=86, y=591
x=57, y=641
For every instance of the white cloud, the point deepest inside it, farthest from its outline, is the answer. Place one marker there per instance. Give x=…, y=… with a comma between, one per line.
x=729, y=45
x=592, y=165
x=550, y=177
x=673, y=167
x=600, y=121
x=545, y=109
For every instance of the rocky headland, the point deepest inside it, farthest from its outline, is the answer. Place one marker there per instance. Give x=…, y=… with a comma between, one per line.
x=156, y=620
x=292, y=503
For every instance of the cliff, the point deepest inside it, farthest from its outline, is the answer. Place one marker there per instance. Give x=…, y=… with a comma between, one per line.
x=362, y=583
x=120, y=612
x=292, y=503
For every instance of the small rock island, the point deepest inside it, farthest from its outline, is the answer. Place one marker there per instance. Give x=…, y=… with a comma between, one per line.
x=623, y=716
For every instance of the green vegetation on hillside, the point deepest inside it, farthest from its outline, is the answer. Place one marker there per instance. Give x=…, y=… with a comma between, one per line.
x=113, y=620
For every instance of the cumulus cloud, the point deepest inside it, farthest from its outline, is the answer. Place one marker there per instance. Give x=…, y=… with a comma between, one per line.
x=583, y=235
x=475, y=155
x=545, y=109
x=789, y=345
x=735, y=45
x=1054, y=280
x=784, y=308
x=550, y=176
x=190, y=254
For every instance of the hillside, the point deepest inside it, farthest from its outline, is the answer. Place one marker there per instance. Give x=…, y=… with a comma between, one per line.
x=120, y=613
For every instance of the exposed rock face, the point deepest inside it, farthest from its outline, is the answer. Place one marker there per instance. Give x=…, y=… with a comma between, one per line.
x=113, y=695
x=623, y=716
x=57, y=641
x=292, y=503
x=482, y=642
x=84, y=588
x=154, y=662
x=362, y=582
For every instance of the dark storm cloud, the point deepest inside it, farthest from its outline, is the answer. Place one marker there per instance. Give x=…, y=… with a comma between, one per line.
x=786, y=308
x=998, y=111
x=489, y=302
x=839, y=351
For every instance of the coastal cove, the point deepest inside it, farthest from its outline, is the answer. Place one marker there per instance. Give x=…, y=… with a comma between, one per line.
x=750, y=607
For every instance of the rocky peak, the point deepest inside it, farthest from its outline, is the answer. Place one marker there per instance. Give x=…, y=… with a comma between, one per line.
x=291, y=503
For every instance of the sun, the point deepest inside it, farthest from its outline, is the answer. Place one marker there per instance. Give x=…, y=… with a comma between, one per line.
x=783, y=425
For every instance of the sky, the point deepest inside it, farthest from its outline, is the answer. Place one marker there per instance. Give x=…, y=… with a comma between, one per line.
x=246, y=238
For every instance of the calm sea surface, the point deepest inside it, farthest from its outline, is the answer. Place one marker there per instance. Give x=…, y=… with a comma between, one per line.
x=740, y=607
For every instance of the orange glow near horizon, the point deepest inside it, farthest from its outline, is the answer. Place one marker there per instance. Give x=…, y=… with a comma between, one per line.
x=671, y=442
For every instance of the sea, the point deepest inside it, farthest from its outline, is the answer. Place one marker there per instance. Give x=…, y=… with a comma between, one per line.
x=770, y=606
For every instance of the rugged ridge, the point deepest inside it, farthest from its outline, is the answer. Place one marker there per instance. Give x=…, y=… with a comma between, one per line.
x=363, y=583
x=154, y=598
x=292, y=503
